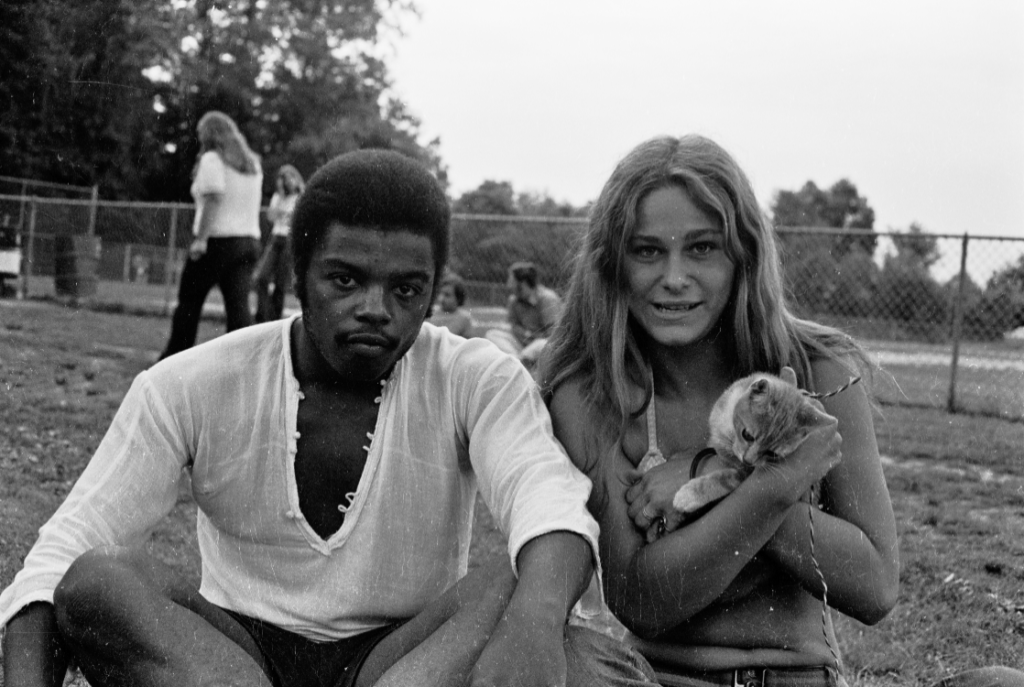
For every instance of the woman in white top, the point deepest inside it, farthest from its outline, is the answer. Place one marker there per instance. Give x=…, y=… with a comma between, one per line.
x=273, y=274
x=227, y=187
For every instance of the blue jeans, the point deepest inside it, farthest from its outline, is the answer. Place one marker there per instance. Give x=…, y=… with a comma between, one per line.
x=596, y=660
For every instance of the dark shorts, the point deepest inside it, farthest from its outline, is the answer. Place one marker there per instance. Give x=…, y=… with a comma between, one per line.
x=291, y=660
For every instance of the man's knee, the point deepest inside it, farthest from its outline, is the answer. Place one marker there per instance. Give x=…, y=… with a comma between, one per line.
x=94, y=586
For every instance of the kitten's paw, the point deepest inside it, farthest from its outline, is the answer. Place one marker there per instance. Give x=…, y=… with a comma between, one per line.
x=704, y=490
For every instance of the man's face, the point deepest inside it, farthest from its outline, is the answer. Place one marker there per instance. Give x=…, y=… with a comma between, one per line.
x=517, y=288
x=367, y=293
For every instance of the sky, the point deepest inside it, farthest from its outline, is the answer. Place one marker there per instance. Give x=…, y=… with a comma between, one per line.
x=919, y=103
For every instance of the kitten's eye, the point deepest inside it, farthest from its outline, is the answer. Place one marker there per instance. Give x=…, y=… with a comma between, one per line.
x=747, y=436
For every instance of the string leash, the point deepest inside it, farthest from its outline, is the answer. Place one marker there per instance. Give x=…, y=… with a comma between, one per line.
x=816, y=497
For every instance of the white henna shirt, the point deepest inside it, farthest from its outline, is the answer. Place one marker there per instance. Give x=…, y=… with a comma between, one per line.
x=454, y=414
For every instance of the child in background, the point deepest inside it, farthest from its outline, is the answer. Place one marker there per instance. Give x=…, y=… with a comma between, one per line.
x=448, y=312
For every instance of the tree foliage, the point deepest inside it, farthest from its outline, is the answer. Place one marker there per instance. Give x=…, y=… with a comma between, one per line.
x=500, y=198
x=109, y=91
x=489, y=198
x=839, y=207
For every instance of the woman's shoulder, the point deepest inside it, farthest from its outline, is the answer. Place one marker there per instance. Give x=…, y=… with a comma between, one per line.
x=829, y=372
x=578, y=422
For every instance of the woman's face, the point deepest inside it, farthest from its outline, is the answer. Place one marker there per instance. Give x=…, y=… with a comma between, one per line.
x=446, y=298
x=680, y=278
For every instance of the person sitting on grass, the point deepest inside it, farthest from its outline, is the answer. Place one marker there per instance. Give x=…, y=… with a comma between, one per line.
x=335, y=458
x=449, y=311
x=677, y=292
x=533, y=309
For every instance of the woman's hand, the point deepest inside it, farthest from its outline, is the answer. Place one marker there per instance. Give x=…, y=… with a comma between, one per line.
x=197, y=250
x=792, y=476
x=650, y=498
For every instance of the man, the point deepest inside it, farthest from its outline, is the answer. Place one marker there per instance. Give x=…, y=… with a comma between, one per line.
x=533, y=310
x=334, y=458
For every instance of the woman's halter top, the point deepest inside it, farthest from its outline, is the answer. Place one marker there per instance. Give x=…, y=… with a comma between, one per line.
x=654, y=456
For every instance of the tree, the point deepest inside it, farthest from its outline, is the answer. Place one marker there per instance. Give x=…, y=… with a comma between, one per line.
x=489, y=198
x=840, y=207
x=81, y=108
x=534, y=204
x=109, y=92
x=1002, y=304
x=917, y=247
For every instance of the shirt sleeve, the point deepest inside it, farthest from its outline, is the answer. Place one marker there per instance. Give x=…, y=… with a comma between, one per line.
x=129, y=485
x=210, y=175
x=524, y=474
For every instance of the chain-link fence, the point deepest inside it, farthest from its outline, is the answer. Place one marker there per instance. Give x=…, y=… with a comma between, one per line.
x=944, y=315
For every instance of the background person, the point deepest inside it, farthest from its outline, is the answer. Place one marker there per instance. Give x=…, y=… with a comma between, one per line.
x=449, y=311
x=274, y=270
x=335, y=458
x=532, y=310
x=227, y=187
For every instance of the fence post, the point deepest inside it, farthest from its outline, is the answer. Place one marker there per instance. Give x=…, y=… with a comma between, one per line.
x=21, y=206
x=126, y=264
x=93, y=204
x=169, y=262
x=26, y=270
x=958, y=318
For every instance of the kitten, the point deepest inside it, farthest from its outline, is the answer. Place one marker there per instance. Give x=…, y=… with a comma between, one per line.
x=759, y=417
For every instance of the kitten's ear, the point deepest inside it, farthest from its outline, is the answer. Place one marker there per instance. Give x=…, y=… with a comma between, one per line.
x=788, y=375
x=759, y=385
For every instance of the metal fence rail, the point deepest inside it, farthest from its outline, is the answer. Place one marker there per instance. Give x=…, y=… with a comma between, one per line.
x=950, y=305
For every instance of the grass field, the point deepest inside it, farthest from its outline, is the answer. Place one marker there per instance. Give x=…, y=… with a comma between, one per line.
x=957, y=484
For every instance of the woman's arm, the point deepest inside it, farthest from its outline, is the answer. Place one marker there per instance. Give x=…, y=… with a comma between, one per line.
x=275, y=209
x=855, y=537
x=207, y=218
x=652, y=588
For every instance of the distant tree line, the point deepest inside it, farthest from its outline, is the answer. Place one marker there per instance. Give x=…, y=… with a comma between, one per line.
x=836, y=274
x=108, y=92
x=499, y=198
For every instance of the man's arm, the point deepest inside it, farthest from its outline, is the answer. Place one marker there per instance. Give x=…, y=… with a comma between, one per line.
x=521, y=333
x=550, y=306
x=34, y=654
x=554, y=570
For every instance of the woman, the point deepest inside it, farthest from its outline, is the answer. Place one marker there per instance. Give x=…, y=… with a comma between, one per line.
x=273, y=274
x=677, y=292
x=227, y=188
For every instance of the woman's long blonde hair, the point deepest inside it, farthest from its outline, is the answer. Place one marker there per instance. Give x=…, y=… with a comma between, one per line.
x=219, y=133
x=595, y=341
x=294, y=184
